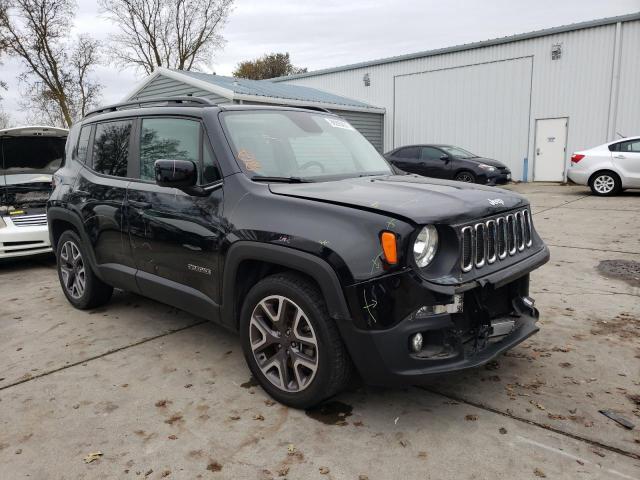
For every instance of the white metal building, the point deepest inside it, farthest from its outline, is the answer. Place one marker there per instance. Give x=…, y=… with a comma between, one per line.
x=528, y=100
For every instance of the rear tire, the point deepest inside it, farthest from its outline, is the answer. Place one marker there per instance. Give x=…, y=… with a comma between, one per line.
x=79, y=284
x=605, y=183
x=291, y=344
x=465, y=176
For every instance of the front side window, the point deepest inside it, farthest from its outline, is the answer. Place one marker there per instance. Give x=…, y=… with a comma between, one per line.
x=459, y=152
x=430, y=153
x=31, y=154
x=111, y=148
x=167, y=139
x=300, y=144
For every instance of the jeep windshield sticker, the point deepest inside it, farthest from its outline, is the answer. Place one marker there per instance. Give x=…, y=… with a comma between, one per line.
x=249, y=160
x=337, y=123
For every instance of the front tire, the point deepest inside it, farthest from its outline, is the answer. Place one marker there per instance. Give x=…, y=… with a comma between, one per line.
x=291, y=344
x=80, y=285
x=465, y=176
x=605, y=184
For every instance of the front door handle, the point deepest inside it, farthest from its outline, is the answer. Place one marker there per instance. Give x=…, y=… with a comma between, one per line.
x=140, y=205
x=619, y=156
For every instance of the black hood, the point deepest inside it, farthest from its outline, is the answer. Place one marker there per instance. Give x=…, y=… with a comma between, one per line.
x=488, y=161
x=419, y=199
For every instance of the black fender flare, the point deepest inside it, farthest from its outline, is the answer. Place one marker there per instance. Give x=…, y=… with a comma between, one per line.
x=63, y=214
x=304, y=262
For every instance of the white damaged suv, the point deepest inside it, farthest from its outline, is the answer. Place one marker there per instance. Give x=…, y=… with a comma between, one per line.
x=28, y=158
x=608, y=169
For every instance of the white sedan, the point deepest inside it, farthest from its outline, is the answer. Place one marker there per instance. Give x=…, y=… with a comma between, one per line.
x=608, y=169
x=28, y=157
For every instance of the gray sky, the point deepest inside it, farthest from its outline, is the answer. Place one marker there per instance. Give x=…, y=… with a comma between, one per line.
x=327, y=33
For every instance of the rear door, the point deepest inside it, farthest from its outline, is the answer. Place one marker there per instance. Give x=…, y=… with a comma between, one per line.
x=176, y=237
x=626, y=156
x=99, y=195
x=407, y=159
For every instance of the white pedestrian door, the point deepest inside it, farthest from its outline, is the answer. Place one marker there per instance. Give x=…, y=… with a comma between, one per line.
x=550, y=151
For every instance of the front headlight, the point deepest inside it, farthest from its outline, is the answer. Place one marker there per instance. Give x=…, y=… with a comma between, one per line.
x=486, y=167
x=2, y=224
x=425, y=246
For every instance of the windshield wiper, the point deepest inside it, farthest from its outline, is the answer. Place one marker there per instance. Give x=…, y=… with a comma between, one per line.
x=259, y=178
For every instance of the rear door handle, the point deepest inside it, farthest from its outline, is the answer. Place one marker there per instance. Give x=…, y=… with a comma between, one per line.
x=140, y=205
x=619, y=156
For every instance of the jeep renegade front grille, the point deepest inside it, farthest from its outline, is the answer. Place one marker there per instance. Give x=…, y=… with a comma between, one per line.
x=485, y=242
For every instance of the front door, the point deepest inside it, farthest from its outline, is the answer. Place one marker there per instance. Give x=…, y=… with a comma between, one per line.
x=550, y=150
x=175, y=237
x=433, y=165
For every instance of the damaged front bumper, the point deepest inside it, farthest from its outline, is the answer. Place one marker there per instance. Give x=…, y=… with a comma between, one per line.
x=461, y=329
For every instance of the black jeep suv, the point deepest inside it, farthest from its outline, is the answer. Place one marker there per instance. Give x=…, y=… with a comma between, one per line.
x=286, y=225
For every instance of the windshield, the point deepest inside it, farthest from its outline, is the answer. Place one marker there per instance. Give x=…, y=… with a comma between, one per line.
x=458, y=152
x=31, y=154
x=305, y=145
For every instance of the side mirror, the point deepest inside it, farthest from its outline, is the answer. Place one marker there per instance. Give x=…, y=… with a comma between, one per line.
x=445, y=157
x=180, y=174
x=176, y=173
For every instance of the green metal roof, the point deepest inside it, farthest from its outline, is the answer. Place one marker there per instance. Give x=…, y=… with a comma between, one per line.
x=269, y=89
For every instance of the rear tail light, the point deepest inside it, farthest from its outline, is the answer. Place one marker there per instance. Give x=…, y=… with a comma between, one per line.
x=576, y=157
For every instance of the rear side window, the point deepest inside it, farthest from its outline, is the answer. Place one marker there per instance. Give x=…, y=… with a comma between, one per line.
x=632, y=146
x=168, y=139
x=111, y=148
x=409, y=153
x=80, y=152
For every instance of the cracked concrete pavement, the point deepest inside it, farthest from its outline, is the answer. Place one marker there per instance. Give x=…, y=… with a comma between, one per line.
x=163, y=395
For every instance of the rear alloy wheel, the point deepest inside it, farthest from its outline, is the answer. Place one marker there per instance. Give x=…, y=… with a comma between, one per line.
x=72, y=270
x=291, y=344
x=80, y=285
x=466, y=177
x=605, y=183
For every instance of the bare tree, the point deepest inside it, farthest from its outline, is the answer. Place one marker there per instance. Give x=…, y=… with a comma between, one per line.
x=180, y=34
x=56, y=80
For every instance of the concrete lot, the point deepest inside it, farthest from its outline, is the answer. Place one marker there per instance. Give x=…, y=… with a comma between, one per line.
x=162, y=394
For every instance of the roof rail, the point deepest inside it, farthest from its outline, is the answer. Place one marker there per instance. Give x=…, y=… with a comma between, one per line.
x=185, y=101
x=313, y=107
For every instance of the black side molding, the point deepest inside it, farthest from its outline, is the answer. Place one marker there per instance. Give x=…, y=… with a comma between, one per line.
x=298, y=260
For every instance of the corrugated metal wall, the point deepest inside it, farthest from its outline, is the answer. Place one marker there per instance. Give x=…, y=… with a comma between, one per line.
x=475, y=107
x=162, y=86
x=371, y=125
x=628, y=101
x=577, y=86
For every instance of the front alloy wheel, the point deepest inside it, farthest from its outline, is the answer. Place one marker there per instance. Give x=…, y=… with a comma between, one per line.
x=466, y=177
x=290, y=342
x=283, y=343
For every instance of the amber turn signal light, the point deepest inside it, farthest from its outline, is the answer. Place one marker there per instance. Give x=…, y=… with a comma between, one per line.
x=389, y=247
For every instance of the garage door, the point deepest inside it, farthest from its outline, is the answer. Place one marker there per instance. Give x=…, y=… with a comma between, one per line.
x=483, y=108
